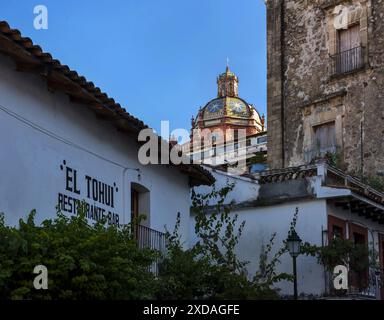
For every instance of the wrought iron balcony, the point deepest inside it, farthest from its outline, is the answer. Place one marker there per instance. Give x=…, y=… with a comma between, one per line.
x=149, y=238
x=372, y=290
x=374, y=284
x=347, y=61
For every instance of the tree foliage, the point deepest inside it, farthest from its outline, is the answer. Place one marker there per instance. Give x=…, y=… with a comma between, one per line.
x=340, y=252
x=84, y=261
x=97, y=262
x=211, y=269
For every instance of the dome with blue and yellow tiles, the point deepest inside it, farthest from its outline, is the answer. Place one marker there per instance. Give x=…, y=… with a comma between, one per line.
x=228, y=110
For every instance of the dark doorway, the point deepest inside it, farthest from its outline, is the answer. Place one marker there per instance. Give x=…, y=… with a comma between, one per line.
x=359, y=236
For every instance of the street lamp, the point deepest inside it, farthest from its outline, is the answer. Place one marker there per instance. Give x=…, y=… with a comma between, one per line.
x=294, y=244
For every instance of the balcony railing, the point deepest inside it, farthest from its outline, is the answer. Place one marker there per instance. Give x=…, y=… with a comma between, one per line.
x=372, y=290
x=347, y=61
x=151, y=239
x=374, y=284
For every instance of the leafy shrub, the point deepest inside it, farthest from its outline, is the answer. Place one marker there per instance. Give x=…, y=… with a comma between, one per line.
x=84, y=261
x=211, y=268
x=94, y=262
x=356, y=257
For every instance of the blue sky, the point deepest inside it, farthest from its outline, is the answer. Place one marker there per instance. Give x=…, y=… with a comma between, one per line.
x=157, y=58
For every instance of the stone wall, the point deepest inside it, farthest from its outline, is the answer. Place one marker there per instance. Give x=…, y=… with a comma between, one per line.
x=304, y=91
x=274, y=84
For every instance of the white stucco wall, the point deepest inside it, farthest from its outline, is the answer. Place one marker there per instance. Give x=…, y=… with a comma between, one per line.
x=262, y=222
x=39, y=130
x=245, y=189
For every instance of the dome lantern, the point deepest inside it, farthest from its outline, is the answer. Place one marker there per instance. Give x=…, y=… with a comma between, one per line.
x=228, y=110
x=227, y=84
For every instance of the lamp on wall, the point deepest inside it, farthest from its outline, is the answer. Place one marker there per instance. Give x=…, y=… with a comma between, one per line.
x=294, y=246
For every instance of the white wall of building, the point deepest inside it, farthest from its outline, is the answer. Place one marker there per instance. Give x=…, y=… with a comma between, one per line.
x=263, y=221
x=245, y=189
x=40, y=129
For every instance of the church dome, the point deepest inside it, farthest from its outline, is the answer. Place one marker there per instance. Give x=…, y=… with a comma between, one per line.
x=231, y=107
x=228, y=110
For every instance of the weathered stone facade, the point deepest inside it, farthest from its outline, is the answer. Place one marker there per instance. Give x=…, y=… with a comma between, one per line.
x=312, y=81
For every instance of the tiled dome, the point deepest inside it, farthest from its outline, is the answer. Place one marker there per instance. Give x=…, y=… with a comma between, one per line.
x=228, y=110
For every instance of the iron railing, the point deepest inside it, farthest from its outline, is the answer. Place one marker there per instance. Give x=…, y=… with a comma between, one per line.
x=151, y=239
x=347, y=61
x=374, y=284
x=373, y=289
x=373, y=281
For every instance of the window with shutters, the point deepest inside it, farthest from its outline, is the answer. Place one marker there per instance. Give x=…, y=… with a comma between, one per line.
x=347, y=29
x=350, y=50
x=350, y=55
x=325, y=138
x=349, y=38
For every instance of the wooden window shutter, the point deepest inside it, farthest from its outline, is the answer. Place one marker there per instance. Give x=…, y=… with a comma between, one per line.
x=325, y=137
x=349, y=38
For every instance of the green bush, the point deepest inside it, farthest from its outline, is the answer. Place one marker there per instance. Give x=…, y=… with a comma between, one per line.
x=84, y=261
x=356, y=257
x=94, y=262
x=211, y=268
